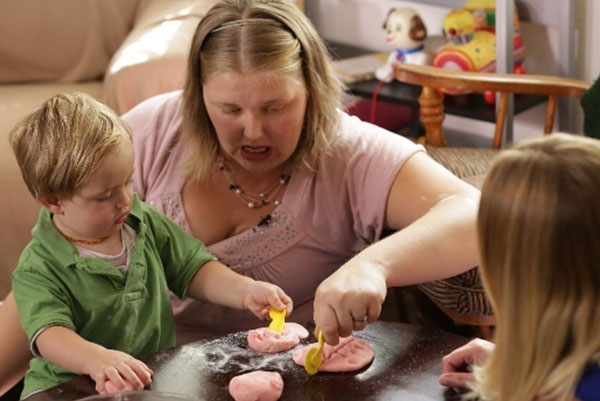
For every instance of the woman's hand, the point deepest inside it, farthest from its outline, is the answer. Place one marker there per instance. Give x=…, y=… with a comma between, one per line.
x=123, y=371
x=456, y=364
x=261, y=296
x=349, y=299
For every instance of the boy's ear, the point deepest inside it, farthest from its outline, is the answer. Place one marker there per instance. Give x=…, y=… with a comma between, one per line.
x=52, y=203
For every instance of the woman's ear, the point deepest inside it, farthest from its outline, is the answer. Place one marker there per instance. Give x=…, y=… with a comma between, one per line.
x=52, y=203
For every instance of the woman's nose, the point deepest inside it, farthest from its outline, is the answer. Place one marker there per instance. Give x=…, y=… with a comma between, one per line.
x=253, y=127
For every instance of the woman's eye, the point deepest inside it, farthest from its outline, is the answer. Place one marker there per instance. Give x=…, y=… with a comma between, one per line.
x=275, y=109
x=231, y=111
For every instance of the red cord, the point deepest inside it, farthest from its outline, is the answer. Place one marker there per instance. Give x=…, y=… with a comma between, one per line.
x=374, y=101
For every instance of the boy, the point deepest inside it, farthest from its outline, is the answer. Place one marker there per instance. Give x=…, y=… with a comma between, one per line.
x=92, y=285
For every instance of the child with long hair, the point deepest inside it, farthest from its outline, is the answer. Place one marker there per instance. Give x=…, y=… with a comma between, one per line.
x=539, y=238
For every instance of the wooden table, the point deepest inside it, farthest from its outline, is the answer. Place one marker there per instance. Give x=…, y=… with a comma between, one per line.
x=406, y=366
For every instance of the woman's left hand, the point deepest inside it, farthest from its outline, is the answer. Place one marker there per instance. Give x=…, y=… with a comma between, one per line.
x=349, y=299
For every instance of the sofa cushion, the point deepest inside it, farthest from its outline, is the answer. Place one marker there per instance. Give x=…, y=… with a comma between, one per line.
x=61, y=40
x=153, y=57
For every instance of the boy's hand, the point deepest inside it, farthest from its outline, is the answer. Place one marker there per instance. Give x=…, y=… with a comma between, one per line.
x=261, y=296
x=123, y=371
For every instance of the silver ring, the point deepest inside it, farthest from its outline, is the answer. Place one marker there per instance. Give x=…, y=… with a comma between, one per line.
x=361, y=319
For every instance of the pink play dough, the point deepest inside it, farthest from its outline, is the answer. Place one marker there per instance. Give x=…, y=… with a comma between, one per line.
x=256, y=386
x=349, y=355
x=265, y=340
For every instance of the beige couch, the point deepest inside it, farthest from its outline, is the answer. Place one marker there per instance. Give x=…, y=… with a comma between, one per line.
x=120, y=51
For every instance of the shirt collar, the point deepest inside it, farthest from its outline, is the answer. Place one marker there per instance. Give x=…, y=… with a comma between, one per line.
x=46, y=234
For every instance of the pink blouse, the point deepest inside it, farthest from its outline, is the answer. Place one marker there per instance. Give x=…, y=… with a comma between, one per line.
x=325, y=217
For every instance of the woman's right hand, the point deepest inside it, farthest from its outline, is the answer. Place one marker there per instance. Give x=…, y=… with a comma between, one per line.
x=349, y=299
x=124, y=371
x=456, y=364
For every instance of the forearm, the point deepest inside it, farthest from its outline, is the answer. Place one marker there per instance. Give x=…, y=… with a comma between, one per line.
x=440, y=244
x=65, y=348
x=218, y=284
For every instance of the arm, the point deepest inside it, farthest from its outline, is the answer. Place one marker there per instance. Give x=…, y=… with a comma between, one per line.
x=456, y=364
x=435, y=214
x=13, y=346
x=218, y=284
x=84, y=357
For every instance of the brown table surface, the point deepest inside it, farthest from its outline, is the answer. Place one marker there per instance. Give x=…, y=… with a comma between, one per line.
x=406, y=366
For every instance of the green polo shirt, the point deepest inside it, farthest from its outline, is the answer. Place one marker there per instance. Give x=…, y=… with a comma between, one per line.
x=55, y=286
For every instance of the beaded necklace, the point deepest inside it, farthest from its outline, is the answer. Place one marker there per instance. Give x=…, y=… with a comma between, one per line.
x=251, y=199
x=94, y=241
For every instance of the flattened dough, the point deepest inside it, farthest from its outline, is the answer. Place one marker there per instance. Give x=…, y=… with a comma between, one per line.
x=265, y=340
x=349, y=355
x=256, y=386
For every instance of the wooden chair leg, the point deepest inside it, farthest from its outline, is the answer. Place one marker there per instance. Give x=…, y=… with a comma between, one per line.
x=500, y=119
x=432, y=115
x=550, y=114
x=486, y=332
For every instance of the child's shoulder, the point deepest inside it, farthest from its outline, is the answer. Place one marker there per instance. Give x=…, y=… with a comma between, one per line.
x=588, y=387
x=37, y=257
x=47, y=248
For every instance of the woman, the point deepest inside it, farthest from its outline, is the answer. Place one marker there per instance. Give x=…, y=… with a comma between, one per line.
x=539, y=225
x=259, y=115
x=255, y=159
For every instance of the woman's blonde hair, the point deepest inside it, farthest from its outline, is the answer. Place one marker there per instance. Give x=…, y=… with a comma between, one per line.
x=271, y=36
x=58, y=146
x=539, y=236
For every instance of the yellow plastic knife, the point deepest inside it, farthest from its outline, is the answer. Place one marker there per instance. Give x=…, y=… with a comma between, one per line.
x=314, y=357
x=277, y=320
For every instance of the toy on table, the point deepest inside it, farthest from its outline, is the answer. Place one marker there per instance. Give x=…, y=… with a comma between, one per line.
x=277, y=320
x=471, y=36
x=406, y=31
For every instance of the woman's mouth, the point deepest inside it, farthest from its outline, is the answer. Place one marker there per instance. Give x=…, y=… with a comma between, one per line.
x=255, y=153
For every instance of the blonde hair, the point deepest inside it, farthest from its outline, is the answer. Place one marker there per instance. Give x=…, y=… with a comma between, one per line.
x=538, y=227
x=271, y=36
x=58, y=146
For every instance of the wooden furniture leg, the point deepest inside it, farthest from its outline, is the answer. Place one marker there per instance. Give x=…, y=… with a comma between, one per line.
x=432, y=115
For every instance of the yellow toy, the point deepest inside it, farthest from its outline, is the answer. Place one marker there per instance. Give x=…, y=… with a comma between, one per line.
x=472, y=40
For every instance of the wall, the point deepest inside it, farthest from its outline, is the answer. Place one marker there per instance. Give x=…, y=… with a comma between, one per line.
x=588, y=18
x=359, y=22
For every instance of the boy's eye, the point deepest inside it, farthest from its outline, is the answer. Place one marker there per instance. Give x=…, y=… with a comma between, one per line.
x=104, y=197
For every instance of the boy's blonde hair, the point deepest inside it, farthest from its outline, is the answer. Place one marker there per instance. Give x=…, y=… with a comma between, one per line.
x=59, y=145
x=248, y=36
x=539, y=231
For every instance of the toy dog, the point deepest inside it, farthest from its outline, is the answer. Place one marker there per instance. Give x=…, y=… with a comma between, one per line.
x=406, y=31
